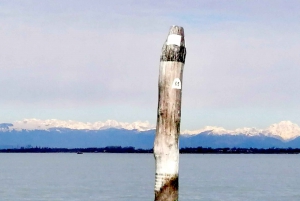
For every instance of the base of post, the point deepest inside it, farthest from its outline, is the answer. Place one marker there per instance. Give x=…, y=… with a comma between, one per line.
x=169, y=191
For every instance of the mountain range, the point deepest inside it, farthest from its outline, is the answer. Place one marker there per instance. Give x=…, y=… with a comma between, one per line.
x=73, y=134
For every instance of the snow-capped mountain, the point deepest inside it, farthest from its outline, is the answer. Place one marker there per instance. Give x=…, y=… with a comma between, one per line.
x=37, y=124
x=72, y=134
x=284, y=130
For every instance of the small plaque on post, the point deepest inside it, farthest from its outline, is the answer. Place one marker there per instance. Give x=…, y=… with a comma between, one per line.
x=176, y=84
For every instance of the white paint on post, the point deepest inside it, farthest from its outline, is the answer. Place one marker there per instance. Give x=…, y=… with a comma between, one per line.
x=174, y=39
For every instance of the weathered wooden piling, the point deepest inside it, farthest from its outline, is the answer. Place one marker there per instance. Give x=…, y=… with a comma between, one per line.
x=166, y=147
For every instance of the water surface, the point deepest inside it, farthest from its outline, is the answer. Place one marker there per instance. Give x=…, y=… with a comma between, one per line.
x=130, y=177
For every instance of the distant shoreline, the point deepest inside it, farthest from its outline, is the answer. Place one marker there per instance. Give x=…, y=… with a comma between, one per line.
x=119, y=149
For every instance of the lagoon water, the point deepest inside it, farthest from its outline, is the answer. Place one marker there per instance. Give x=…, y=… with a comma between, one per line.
x=130, y=177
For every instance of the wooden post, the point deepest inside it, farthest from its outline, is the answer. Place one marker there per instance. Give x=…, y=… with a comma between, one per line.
x=166, y=147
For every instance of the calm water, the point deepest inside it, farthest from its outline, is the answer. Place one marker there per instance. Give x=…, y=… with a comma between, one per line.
x=130, y=177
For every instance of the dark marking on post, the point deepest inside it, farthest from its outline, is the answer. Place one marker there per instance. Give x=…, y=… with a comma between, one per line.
x=169, y=192
x=173, y=54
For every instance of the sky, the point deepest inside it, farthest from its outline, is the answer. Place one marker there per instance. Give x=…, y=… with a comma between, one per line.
x=93, y=60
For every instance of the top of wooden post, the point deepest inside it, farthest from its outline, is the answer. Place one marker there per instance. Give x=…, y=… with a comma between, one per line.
x=174, y=47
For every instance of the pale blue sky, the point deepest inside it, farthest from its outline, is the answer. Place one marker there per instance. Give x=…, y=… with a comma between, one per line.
x=97, y=60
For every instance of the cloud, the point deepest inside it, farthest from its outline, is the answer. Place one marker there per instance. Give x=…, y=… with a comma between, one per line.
x=237, y=68
x=106, y=54
x=77, y=64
